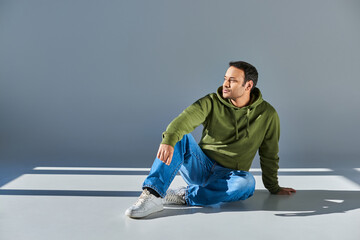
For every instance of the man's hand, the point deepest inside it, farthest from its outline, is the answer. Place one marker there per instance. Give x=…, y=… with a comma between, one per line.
x=165, y=153
x=286, y=191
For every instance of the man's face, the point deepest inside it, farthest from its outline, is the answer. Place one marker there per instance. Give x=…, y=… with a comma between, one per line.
x=233, y=83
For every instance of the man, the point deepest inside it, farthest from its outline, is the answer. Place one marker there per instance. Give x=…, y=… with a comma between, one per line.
x=237, y=123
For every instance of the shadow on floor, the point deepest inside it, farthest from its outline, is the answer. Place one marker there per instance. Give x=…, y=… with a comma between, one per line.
x=303, y=203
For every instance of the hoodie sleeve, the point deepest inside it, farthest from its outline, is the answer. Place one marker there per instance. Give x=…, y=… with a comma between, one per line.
x=187, y=121
x=268, y=152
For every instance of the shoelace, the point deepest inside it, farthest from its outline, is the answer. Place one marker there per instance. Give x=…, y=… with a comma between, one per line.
x=176, y=197
x=145, y=196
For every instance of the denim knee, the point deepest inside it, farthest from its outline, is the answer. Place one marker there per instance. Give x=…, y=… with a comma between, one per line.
x=242, y=185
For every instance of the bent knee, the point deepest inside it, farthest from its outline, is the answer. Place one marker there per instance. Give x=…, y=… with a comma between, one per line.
x=251, y=181
x=243, y=183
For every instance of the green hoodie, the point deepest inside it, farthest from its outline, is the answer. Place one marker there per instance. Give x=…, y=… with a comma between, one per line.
x=231, y=135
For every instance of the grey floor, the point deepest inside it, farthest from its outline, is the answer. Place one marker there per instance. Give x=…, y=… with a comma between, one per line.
x=43, y=201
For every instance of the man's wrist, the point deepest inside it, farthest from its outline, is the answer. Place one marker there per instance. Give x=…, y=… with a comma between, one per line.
x=276, y=191
x=169, y=139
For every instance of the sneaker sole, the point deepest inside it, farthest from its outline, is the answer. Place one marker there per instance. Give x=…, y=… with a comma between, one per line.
x=144, y=214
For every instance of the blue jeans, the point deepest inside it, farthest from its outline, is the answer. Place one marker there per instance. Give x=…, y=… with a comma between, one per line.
x=208, y=182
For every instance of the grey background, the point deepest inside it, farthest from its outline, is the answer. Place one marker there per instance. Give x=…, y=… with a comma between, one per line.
x=95, y=83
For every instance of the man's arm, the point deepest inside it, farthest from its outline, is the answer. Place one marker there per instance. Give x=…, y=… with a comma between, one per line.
x=269, y=159
x=186, y=122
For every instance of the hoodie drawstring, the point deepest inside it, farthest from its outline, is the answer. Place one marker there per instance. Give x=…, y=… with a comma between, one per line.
x=236, y=127
x=247, y=124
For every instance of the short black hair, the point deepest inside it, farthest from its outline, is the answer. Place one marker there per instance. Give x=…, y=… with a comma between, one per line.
x=249, y=70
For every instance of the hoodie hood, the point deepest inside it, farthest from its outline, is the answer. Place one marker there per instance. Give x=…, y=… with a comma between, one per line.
x=255, y=100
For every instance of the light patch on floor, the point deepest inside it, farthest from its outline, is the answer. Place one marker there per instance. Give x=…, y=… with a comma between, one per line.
x=133, y=182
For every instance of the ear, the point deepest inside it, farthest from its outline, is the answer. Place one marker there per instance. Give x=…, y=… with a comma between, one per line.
x=249, y=85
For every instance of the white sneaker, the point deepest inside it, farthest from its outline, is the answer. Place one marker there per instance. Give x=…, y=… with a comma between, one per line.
x=146, y=204
x=175, y=196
